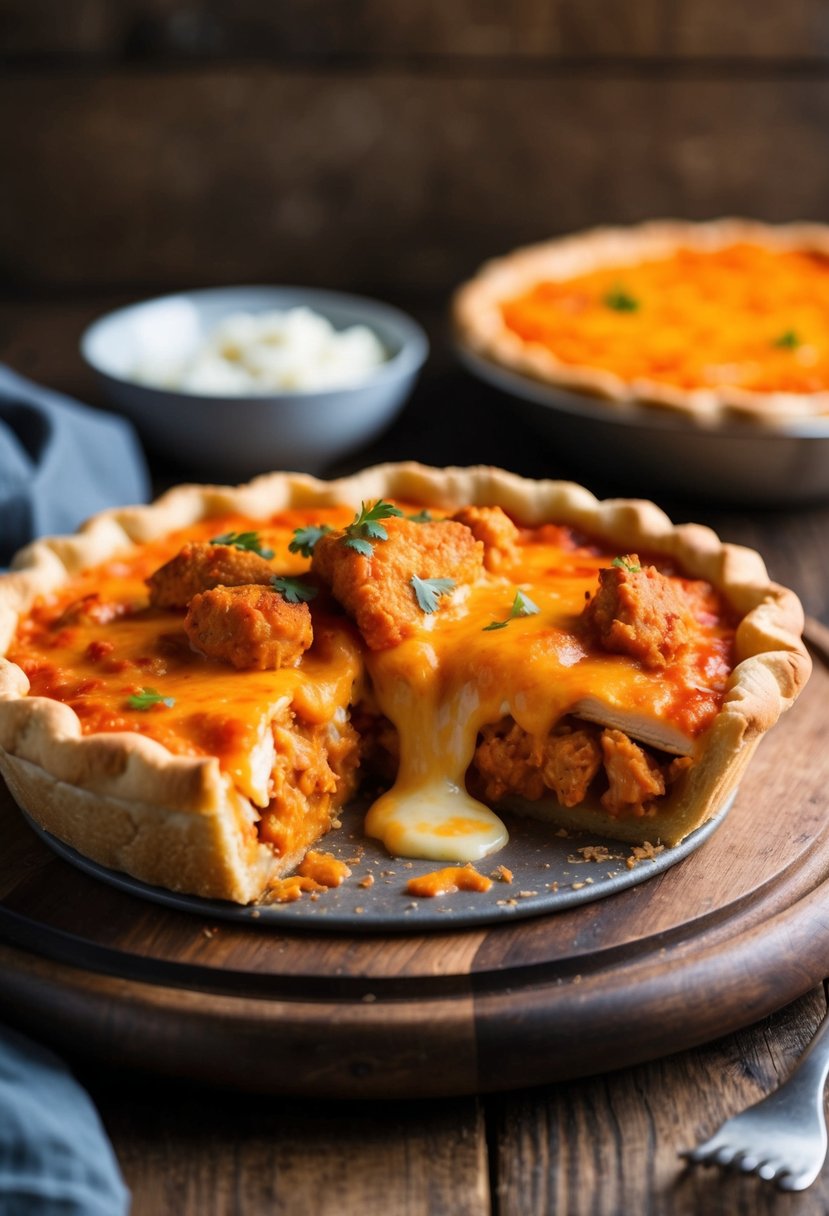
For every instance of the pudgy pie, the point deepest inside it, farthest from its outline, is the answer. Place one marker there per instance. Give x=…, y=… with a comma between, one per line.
x=193, y=691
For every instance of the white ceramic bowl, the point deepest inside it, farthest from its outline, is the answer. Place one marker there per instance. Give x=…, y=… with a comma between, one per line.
x=232, y=438
x=641, y=450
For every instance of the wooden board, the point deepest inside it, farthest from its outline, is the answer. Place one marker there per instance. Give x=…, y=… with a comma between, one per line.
x=733, y=932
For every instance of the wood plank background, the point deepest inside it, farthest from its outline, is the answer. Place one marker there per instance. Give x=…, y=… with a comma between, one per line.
x=386, y=146
x=321, y=29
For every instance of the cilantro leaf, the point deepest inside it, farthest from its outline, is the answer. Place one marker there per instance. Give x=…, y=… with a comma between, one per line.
x=429, y=590
x=620, y=300
x=248, y=541
x=370, y=514
x=366, y=526
x=622, y=563
x=358, y=545
x=422, y=517
x=305, y=539
x=375, y=531
x=148, y=698
x=522, y=605
x=294, y=590
x=788, y=340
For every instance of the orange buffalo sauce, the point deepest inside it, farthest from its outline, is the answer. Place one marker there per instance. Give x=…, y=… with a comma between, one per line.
x=96, y=645
x=447, y=881
x=324, y=868
x=742, y=316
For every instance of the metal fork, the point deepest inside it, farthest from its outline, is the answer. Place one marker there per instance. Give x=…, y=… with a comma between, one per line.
x=783, y=1137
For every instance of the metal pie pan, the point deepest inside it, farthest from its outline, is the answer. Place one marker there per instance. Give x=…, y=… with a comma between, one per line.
x=550, y=872
x=637, y=449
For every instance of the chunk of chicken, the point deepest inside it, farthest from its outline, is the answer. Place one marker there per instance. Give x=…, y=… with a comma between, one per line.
x=249, y=627
x=504, y=759
x=200, y=566
x=634, y=777
x=496, y=531
x=377, y=590
x=570, y=759
x=511, y=761
x=640, y=612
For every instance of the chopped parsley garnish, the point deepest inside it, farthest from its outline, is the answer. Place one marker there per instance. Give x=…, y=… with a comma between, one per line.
x=620, y=300
x=429, y=590
x=623, y=564
x=305, y=539
x=294, y=590
x=522, y=605
x=148, y=698
x=422, y=517
x=366, y=526
x=248, y=541
x=787, y=340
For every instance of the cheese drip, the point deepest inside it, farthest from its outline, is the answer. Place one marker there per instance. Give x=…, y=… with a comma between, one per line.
x=427, y=812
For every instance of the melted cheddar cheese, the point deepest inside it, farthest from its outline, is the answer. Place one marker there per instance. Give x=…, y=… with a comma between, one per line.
x=742, y=316
x=97, y=643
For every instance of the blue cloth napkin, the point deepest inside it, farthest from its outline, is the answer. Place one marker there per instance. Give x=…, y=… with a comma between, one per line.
x=55, y=1158
x=60, y=462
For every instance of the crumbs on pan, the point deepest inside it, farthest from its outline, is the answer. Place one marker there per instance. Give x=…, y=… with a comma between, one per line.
x=593, y=852
x=644, y=852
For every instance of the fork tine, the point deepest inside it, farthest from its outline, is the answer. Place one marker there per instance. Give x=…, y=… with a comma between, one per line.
x=705, y=1152
x=798, y=1181
x=771, y=1168
x=697, y=1156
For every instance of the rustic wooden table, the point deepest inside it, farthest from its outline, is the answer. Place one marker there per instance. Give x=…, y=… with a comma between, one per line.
x=605, y=1145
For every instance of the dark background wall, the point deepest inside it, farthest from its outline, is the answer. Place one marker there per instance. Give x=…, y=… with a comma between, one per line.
x=387, y=145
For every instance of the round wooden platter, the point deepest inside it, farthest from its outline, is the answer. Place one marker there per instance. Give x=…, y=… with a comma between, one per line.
x=737, y=929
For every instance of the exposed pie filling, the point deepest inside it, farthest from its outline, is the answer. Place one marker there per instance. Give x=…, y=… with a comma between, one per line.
x=459, y=662
x=742, y=316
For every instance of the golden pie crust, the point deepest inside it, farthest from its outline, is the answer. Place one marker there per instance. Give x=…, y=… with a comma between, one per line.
x=480, y=325
x=175, y=821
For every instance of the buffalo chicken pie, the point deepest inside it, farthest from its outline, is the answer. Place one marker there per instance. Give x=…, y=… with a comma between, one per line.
x=723, y=318
x=193, y=691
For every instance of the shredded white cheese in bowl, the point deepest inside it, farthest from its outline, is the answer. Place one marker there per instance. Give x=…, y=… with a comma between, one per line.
x=295, y=350
x=235, y=381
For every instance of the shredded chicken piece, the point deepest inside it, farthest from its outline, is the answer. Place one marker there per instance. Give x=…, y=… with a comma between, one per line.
x=570, y=760
x=511, y=761
x=506, y=761
x=634, y=777
x=496, y=531
x=640, y=612
x=313, y=765
x=377, y=592
x=250, y=626
x=200, y=566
